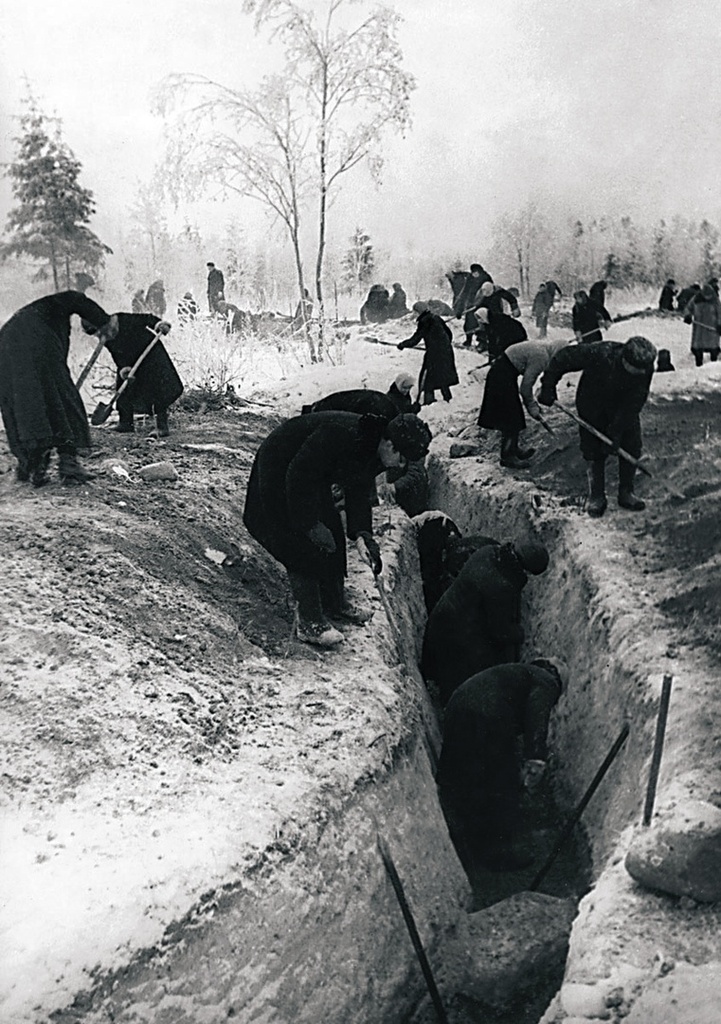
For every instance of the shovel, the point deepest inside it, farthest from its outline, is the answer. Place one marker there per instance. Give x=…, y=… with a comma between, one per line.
x=673, y=491
x=103, y=409
x=90, y=363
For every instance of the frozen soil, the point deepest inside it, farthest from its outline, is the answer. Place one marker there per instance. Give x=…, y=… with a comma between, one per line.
x=146, y=684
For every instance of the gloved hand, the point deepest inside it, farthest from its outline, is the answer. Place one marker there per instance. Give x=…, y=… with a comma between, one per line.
x=370, y=552
x=546, y=396
x=531, y=774
x=516, y=312
x=162, y=327
x=321, y=536
x=125, y=373
x=400, y=345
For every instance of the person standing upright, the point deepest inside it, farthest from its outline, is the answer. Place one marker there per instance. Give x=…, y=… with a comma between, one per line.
x=703, y=312
x=438, y=369
x=216, y=287
x=588, y=319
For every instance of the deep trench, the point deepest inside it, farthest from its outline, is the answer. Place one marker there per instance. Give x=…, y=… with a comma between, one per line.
x=569, y=868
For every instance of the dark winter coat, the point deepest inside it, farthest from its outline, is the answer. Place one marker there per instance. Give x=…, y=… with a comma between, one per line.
x=397, y=305
x=495, y=303
x=363, y=401
x=477, y=622
x=503, y=331
x=442, y=552
x=216, y=288
x=155, y=299
x=290, y=488
x=41, y=407
x=608, y=397
x=466, y=289
x=686, y=294
x=411, y=486
x=375, y=308
x=597, y=294
x=157, y=384
x=587, y=318
x=479, y=766
x=666, y=298
x=438, y=369
x=542, y=303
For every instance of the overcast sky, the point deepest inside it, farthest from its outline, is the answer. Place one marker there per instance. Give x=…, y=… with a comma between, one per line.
x=609, y=107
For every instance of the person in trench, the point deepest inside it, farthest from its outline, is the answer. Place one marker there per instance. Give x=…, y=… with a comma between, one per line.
x=290, y=508
x=614, y=385
x=481, y=772
x=477, y=621
x=501, y=407
x=41, y=408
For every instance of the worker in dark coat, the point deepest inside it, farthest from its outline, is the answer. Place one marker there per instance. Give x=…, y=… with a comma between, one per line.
x=400, y=393
x=665, y=301
x=290, y=508
x=587, y=318
x=438, y=369
x=597, y=294
x=363, y=401
x=155, y=384
x=482, y=772
x=397, y=303
x=410, y=481
x=467, y=295
x=375, y=308
x=442, y=552
x=41, y=408
x=613, y=389
x=155, y=298
x=542, y=304
x=216, y=287
x=477, y=621
x=502, y=331
x=686, y=294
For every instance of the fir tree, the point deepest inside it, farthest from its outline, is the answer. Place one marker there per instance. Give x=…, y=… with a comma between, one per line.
x=359, y=261
x=50, y=222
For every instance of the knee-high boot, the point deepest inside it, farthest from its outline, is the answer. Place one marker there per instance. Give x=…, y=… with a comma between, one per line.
x=626, y=497
x=596, y=488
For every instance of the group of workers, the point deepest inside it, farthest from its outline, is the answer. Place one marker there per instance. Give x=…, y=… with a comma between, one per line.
x=313, y=484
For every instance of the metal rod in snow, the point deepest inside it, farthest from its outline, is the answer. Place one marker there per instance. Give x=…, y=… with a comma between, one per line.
x=576, y=816
x=412, y=931
x=657, y=749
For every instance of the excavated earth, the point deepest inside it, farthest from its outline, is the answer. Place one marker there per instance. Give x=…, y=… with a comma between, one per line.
x=193, y=801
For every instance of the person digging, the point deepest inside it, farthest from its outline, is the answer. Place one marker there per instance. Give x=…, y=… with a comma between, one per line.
x=614, y=385
x=155, y=385
x=481, y=770
x=290, y=508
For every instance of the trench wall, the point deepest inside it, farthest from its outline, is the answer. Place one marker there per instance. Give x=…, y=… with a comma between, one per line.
x=313, y=930
x=594, y=610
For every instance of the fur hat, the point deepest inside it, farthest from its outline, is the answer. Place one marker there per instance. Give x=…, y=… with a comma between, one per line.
x=487, y=288
x=555, y=667
x=410, y=436
x=404, y=379
x=639, y=353
x=533, y=556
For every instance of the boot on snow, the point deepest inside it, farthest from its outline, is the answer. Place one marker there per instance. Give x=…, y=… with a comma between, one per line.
x=626, y=498
x=509, y=458
x=596, y=488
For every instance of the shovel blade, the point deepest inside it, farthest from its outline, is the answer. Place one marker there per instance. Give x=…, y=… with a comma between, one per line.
x=102, y=411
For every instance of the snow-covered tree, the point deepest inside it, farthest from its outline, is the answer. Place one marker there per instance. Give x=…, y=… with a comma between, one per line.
x=50, y=222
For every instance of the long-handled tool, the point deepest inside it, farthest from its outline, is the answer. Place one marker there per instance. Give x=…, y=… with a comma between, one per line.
x=606, y=440
x=576, y=816
x=412, y=931
x=91, y=362
x=103, y=409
